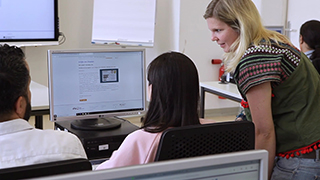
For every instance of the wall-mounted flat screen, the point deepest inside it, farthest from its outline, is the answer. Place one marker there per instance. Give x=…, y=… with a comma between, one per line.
x=30, y=22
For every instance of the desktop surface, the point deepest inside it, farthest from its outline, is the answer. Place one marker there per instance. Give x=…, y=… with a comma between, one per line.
x=39, y=102
x=39, y=96
x=228, y=89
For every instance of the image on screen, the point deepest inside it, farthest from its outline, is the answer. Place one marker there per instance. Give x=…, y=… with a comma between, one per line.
x=109, y=75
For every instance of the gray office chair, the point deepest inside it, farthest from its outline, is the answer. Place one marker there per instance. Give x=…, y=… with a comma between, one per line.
x=45, y=169
x=198, y=140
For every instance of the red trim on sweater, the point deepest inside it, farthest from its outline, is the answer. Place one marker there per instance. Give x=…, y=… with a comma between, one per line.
x=244, y=104
x=303, y=150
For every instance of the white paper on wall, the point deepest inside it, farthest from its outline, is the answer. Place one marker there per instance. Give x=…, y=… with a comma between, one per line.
x=124, y=22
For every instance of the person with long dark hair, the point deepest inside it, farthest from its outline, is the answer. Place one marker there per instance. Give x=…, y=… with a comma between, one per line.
x=174, y=97
x=310, y=41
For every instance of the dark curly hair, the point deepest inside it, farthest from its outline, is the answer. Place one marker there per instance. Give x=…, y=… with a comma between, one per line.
x=14, y=77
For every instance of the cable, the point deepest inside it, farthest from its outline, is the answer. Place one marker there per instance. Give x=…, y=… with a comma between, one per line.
x=63, y=39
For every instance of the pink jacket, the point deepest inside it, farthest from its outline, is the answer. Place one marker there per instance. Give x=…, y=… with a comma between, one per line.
x=139, y=147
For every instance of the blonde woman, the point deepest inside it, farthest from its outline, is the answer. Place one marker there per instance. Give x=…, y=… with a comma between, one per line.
x=279, y=86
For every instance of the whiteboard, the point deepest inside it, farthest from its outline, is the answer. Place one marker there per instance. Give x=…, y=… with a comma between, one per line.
x=124, y=22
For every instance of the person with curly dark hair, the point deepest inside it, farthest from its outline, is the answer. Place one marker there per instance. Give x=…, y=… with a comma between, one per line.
x=20, y=143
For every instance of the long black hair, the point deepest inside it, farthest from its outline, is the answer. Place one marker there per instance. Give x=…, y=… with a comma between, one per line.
x=175, y=93
x=310, y=32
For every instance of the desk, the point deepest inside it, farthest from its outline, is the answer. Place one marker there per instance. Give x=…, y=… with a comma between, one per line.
x=229, y=91
x=39, y=102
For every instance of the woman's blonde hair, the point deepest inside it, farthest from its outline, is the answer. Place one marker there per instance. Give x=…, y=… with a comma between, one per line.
x=242, y=16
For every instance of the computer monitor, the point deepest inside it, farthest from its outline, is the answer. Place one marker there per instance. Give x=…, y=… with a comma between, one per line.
x=89, y=87
x=248, y=165
x=29, y=23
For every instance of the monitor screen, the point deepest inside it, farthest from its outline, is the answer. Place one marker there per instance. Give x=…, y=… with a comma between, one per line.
x=88, y=84
x=248, y=165
x=28, y=22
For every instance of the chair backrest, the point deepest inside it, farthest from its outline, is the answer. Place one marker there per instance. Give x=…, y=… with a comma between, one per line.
x=206, y=139
x=45, y=169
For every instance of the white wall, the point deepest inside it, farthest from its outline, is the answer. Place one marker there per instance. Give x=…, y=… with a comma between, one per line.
x=194, y=40
x=289, y=13
x=272, y=12
x=299, y=13
x=179, y=26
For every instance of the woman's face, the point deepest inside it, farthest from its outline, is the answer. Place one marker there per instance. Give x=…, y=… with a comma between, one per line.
x=222, y=33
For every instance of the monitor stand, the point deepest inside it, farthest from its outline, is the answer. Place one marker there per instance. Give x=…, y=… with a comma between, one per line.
x=96, y=124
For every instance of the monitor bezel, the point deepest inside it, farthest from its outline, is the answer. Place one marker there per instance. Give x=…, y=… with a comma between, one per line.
x=100, y=115
x=130, y=172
